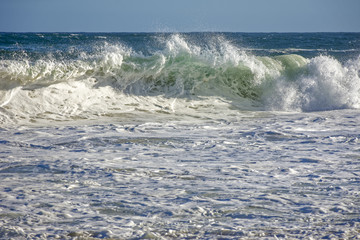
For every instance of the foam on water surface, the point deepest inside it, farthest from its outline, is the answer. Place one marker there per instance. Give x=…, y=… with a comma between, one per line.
x=270, y=176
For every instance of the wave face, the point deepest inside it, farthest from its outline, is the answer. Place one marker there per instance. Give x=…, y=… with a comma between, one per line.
x=63, y=77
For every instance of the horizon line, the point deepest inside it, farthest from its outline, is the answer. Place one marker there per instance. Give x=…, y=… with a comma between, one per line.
x=179, y=32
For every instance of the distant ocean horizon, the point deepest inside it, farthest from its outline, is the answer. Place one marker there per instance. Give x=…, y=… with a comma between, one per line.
x=161, y=135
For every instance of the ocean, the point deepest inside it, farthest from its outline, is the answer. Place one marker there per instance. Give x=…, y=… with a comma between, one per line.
x=179, y=135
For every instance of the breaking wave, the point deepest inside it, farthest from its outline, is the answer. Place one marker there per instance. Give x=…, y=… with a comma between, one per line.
x=179, y=77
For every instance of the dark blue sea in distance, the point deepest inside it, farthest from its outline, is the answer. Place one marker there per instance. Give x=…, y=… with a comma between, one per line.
x=179, y=135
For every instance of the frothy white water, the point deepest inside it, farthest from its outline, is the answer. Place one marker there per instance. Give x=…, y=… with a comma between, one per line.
x=264, y=176
x=324, y=84
x=81, y=101
x=47, y=71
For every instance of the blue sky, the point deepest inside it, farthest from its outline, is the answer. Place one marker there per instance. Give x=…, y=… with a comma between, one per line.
x=179, y=16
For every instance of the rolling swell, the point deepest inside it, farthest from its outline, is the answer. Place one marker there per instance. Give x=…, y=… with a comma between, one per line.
x=79, y=83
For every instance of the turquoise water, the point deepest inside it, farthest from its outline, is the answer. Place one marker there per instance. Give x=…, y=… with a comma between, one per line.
x=179, y=135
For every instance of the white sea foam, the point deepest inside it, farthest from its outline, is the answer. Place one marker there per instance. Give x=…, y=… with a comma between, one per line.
x=183, y=179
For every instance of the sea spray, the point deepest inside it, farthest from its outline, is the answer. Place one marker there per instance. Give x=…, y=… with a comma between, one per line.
x=321, y=84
